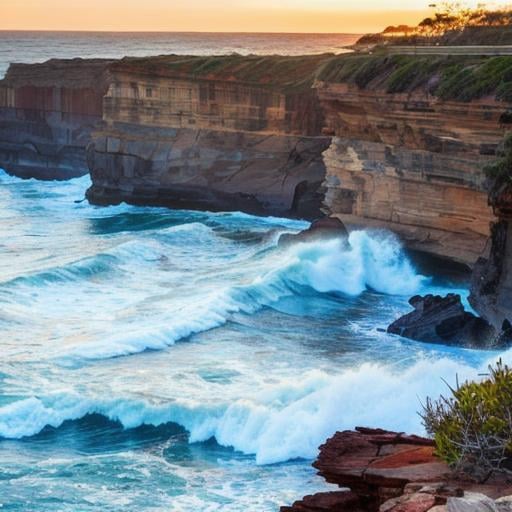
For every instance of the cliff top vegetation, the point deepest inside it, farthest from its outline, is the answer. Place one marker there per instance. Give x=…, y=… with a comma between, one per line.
x=452, y=23
x=459, y=78
x=283, y=72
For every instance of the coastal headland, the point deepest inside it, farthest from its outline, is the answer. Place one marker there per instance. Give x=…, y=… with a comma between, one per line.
x=377, y=140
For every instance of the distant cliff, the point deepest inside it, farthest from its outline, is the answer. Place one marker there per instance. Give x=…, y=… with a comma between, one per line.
x=47, y=115
x=394, y=142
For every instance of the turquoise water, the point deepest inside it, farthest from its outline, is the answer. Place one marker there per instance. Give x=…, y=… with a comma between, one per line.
x=172, y=360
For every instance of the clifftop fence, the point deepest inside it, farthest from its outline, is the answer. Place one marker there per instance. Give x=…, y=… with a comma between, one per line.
x=449, y=50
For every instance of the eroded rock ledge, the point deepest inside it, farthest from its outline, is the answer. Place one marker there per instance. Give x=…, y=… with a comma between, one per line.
x=385, y=471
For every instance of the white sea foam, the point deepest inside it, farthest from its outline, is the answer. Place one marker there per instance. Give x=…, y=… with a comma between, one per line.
x=282, y=421
x=372, y=260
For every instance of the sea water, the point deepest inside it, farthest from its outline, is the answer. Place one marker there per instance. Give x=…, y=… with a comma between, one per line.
x=29, y=47
x=164, y=360
x=155, y=359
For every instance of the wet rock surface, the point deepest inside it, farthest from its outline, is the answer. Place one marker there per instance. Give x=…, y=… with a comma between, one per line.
x=444, y=320
x=322, y=229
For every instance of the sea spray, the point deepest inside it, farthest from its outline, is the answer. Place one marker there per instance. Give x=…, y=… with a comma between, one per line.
x=371, y=261
x=280, y=422
x=296, y=354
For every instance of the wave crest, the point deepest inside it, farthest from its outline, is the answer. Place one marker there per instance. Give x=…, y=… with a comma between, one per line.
x=371, y=261
x=281, y=422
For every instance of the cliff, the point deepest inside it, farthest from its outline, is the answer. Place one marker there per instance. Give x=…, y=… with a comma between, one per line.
x=231, y=133
x=378, y=141
x=491, y=284
x=47, y=115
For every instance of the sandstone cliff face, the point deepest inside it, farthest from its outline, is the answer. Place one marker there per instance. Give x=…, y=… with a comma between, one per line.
x=412, y=164
x=47, y=114
x=207, y=143
x=259, y=134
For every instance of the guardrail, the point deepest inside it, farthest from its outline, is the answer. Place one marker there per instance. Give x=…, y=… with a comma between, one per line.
x=449, y=50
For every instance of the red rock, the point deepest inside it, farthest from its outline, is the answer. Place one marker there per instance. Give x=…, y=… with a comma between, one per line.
x=341, y=501
x=410, y=503
x=390, y=472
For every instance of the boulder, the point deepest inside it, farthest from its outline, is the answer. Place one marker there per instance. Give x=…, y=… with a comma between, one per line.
x=504, y=504
x=471, y=502
x=322, y=229
x=393, y=472
x=418, y=502
x=443, y=320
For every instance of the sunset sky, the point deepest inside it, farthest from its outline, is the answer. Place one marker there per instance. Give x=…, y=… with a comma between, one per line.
x=210, y=15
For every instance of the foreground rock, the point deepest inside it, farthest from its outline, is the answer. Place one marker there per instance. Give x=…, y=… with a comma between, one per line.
x=327, y=501
x=437, y=319
x=323, y=229
x=393, y=472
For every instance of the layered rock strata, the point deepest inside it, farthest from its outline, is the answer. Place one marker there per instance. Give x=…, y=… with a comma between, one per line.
x=413, y=164
x=385, y=471
x=270, y=135
x=491, y=285
x=229, y=139
x=47, y=115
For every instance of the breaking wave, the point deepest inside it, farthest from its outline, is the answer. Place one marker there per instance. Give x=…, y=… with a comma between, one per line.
x=371, y=261
x=281, y=422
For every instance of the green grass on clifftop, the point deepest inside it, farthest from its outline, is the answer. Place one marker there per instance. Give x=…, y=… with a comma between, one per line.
x=460, y=78
x=283, y=72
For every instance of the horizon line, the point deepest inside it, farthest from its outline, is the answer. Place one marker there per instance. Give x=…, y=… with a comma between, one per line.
x=90, y=31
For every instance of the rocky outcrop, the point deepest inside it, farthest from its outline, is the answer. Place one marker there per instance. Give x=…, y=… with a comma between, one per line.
x=413, y=164
x=263, y=174
x=322, y=229
x=392, y=472
x=47, y=115
x=443, y=320
x=229, y=138
x=491, y=285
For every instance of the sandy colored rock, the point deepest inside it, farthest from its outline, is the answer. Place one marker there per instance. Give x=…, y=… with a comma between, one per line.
x=418, y=502
x=471, y=502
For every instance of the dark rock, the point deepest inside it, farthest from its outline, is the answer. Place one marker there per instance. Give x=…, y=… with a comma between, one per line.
x=339, y=501
x=491, y=283
x=322, y=229
x=443, y=320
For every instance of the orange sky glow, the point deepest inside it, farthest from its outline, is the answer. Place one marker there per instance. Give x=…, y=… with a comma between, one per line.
x=327, y=16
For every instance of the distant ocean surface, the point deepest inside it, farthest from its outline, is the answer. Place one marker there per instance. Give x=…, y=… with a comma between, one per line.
x=41, y=46
x=156, y=360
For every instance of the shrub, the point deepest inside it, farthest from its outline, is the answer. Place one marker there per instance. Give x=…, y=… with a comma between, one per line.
x=472, y=429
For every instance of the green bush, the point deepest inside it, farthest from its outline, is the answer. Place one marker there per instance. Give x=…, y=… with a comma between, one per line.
x=472, y=429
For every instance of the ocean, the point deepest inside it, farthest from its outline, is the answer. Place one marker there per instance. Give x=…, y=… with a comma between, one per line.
x=169, y=360
x=29, y=47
